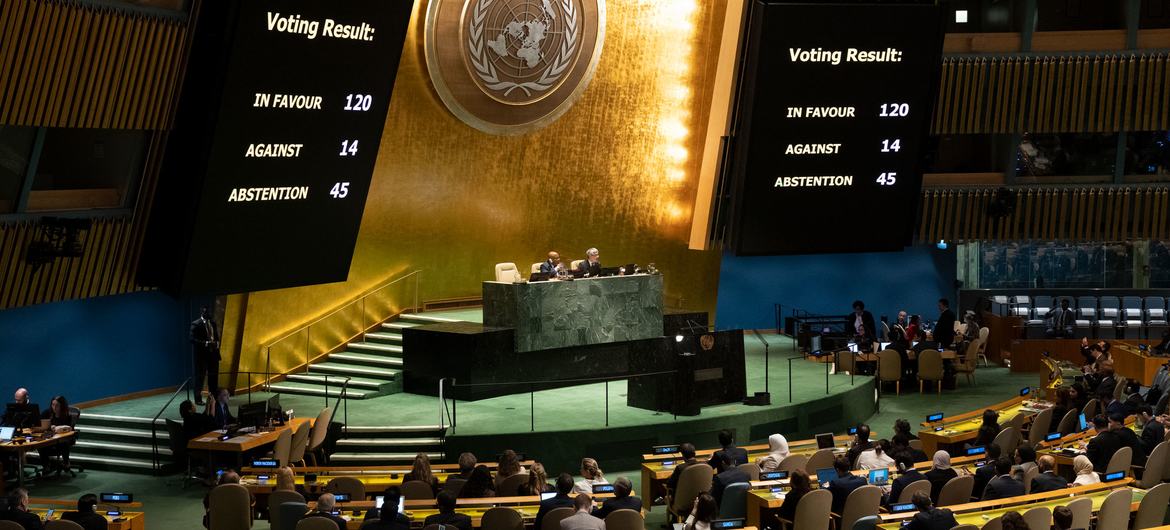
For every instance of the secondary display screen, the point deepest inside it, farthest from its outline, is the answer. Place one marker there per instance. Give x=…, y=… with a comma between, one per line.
x=835, y=105
x=276, y=138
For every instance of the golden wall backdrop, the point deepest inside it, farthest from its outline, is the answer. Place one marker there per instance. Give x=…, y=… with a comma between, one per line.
x=618, y=171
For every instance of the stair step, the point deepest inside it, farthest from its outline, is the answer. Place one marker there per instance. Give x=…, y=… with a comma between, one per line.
x=107, y=462
x=366, y=358
x=387, y=442
x=382, y=336
x=355, y=383
x=372, y=372
x=398, y=326
x=86, y=446
x=392, y=429
x=374, y=347
x=428, y=319
x=116, y=431
x=309, y=389
x=87, y=417
x=379, y=457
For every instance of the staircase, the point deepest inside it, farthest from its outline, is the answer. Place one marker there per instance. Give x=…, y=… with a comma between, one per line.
x=116, y=443
x=374, y=365
x=388, y=445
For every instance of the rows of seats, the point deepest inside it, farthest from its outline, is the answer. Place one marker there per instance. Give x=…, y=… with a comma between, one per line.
x=1125, y=317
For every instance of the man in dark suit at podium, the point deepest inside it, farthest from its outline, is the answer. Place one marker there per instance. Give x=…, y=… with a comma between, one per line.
x=552, y=264
x=592, y=265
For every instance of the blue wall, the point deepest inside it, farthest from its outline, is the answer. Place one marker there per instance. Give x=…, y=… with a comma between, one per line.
x=94, y=348
x=829, y=283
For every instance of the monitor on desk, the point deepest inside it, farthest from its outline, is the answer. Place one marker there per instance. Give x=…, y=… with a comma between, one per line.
x=937, y=416
x=547, y=495
x=116, y=497
x=1117, y=475
x=22, y=415
x=825, y=440
x=773, y=475
x=380, y=499
x=602, y=488
x=1025, y=391
x=977, y=450
x=727, y=524
x=540, y=276
x=879, y=477
x=664, y=449
x=252, y=414
x=341, y=497
x=902, y=508
x=1052, y=436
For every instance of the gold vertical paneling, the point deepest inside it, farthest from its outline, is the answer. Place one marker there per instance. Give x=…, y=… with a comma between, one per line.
x=69, y=64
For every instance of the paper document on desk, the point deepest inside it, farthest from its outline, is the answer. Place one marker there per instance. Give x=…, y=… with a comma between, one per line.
x=238, y=439
x=207, y=439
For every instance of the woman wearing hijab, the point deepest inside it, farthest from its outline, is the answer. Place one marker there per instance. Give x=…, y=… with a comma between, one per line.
x=777, y=452
x=1084, y=470
x=940, y=472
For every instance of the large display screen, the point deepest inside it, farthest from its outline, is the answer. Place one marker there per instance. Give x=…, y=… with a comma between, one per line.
x=834, y=109
x=278, y=131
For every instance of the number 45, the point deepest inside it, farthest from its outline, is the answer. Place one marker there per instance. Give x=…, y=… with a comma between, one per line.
x=340, y=190
x=887, y=179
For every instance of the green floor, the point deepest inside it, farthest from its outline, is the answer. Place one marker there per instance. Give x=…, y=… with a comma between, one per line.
x=171, y=506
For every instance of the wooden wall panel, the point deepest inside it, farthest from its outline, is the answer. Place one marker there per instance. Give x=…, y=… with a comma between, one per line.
x=68, y=64
x=1085, y=93
x=1064, y=213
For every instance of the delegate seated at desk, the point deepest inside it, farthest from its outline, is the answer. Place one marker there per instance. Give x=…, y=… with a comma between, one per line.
x=591, y=266
x=552, y=265
x=20, y=419
x=18, y=513
x=85, y=515
x=220, y=410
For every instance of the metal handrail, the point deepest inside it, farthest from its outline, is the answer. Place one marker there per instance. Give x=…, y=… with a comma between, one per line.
x=154, y=421
x=307, y=328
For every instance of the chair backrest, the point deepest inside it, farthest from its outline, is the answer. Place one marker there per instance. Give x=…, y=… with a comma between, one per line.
x=575, y=264
x=930, y=365
x=889, y=365
x=291, y=513
x=1041, y=426
x=277, y=498
x=624, y=519
x=861, y=502
x=552, y=519
x=916, y=444
x=282, y=447
x=1042, y=305
x=1131, y=302
x=1152, y=510
x=1155, y=466
x=351, y=485
x=1082, y=510
x=994, y=524
x=230, y=507
x=694, y=480
x=1068, y=424
x=984, y=332
x=510, y=486
x=971, y=354
x=536, y=267
x=418, y=490
x=1090, y=409
x=1119, y=388
x=507, y=272
x=1155, y=307
x=1038, y=518
x=956, y=491
x=821, y=459
x=792, y=463
x=752, y=470
x=60, y=524
x=177, y=441
x=1007, y=440
x=868, y=522
x=966, y=527
x=501, y=518
x=812, y=512
x=845, y=362
x=10, y=525
x=453, y=485
x=300, y=442
x=1030, y=474
x=733, y=505
x=316, y=523
x=1120, y=461
x=320, y=428
x=912, y=488
x=1017, y=422
x=1114, y=511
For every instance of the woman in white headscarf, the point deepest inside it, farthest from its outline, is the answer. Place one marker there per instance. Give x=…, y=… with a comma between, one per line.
x=940, y=472
x=777, y=452
x=1083, y=467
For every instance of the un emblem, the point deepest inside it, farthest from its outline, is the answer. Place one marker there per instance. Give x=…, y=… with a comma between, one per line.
x=512, y=66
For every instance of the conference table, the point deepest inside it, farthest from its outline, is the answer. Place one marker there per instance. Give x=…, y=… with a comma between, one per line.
x=955, y=430
x=128, y=520
x=1128, y=359
x=242, y=442
x=979, y=513
x=20, y=445
x=1065, y=449
x=418, y=510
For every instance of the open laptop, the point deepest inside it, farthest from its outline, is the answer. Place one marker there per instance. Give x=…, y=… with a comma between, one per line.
x=380, y=499
x=825, y=475
x=825, y=440
x=6, y=433
x=879, y=477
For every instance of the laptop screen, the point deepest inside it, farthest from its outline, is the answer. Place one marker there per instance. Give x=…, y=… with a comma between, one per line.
x=378, y=501
x=879, y=477
x=547, y=495
x=6, y=433
x=1084, y=425
x=825, y=440
x=825, y=475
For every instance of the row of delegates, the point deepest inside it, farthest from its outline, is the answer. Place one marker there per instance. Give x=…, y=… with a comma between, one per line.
x=622, y=500
x=85, y=516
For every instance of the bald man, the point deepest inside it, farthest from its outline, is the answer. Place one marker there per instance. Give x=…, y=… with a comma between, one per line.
x=552, y=265
x=1048, y=480
x=21, y=396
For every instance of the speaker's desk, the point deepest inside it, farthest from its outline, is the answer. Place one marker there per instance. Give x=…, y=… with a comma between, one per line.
x=240, y=443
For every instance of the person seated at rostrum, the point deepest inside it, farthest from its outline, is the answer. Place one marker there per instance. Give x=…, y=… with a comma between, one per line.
x=85, y=515
x=622, y=500
x=447, y=515
x=552, y=265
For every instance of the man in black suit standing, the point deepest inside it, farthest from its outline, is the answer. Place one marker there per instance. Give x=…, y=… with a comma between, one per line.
x=205, y=347
x=729, y=474
x=1003, y=485
x=844, y=484
x=1102, y=446
x=1153, y=432
x=944, y=328
x=929, y=517
x=727, y=442
x=1048, y=480
x=560, y=500
x=1061, y=321
x=622, y=500
x=861, y=325
x=592, y=265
